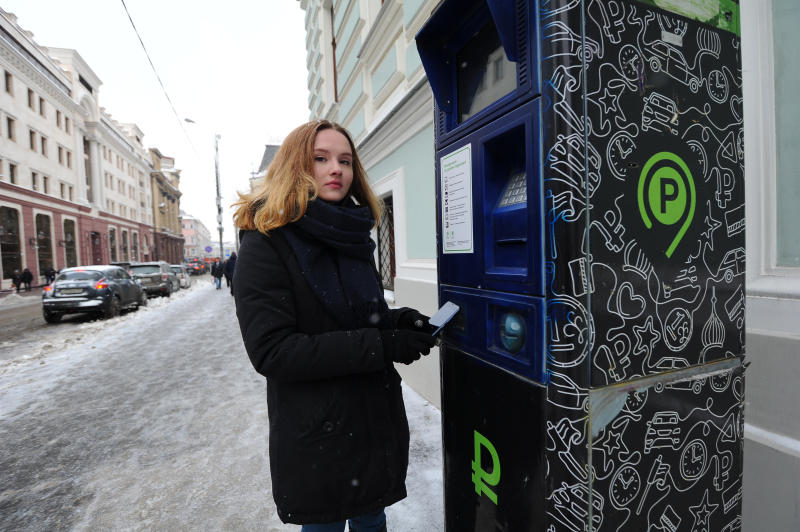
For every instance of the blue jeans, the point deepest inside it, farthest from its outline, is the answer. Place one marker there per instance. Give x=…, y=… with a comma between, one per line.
x=364, y=523
x=218, y=282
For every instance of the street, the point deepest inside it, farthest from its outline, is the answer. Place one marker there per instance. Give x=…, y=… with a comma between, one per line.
x=155, y=420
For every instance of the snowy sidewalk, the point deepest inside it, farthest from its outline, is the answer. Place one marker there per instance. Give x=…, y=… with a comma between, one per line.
x=157, y=421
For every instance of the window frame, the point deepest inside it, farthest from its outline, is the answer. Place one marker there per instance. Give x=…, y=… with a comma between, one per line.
x=765, y=279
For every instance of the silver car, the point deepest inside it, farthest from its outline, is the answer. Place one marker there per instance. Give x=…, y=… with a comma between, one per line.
x=182, y=273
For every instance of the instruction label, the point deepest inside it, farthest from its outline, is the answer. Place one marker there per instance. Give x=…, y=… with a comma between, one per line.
x=456, y=194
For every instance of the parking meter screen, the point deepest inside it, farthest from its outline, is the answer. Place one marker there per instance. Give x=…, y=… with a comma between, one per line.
x=484, y=72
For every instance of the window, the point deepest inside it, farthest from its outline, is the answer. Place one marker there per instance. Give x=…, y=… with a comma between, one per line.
x=70, y=250
x=69, y=159
x=12, y=173
x=10, y=129
x=46, y=184
x=70, y=193
x=60, y=155
x=42, y=107
x=386, y=258
x=787, y=74
x=44, y=146
x=63, y=188
x=31, y=99
x=125, y=245
x=10, y=247
x=44, y=243
x=66, y=124
x=9, y=84
x=58, y=118
x=135, y=246
x=32, y=139
x=34, y=181
x=112, y=243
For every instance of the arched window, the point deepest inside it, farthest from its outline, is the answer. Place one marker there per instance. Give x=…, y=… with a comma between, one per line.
x=70, y=248
x=44, y=242
x=10, y=248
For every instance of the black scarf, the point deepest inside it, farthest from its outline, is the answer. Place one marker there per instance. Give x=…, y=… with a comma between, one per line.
x=333, y=246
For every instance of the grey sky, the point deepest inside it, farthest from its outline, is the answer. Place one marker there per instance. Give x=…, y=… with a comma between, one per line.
x=238, y=68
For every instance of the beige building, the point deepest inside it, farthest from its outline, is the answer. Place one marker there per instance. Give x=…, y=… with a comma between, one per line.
x=168, y=232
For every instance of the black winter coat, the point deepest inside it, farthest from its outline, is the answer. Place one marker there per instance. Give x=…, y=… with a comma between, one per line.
x=338, y=433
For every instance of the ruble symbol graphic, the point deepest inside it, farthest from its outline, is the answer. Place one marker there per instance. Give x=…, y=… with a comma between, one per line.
x=666, y=195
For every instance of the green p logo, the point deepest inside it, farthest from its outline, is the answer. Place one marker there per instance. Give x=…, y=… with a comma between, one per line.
x=666, y=194
x=480, y=477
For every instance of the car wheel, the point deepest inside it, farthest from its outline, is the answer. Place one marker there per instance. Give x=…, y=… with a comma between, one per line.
x=51, y=317
x=142, y=300
x=112, y=311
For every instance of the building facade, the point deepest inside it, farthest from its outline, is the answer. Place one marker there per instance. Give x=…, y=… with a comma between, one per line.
x=168, y=232
x=71, y=184
x=196, y=237
x=365, y=73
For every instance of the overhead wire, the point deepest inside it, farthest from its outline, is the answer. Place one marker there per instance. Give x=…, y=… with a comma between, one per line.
x=164, y=89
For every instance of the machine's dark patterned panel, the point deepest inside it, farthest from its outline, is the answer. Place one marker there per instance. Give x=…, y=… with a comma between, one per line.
x=659, y=203
x=644, y=202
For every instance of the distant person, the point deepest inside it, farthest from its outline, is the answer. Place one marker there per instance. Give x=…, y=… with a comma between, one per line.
x=49, y=275
x=16, y=280
x=217, y=271
x=26, y=279
x=230, y=266
x=315, y=323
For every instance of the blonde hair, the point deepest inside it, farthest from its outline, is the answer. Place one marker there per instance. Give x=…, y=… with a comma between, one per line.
x=283, y=196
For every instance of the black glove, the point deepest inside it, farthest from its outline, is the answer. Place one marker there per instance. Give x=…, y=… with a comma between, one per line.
x=414, y=320
x=406, y=346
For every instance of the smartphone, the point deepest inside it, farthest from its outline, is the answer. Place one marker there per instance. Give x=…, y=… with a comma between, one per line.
x=443, y=315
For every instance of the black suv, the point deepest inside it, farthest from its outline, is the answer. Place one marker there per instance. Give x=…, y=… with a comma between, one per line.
x=156, y=277
x=103, y=290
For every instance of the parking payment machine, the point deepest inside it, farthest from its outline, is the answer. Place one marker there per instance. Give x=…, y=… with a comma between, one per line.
x=590, y=202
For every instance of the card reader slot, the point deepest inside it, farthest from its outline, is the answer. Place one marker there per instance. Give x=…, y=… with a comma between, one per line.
x=511, y=241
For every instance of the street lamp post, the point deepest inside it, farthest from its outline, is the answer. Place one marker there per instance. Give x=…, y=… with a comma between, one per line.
x=219, y=196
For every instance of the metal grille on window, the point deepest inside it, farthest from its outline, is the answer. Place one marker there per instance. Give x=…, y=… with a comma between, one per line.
x=386, y=244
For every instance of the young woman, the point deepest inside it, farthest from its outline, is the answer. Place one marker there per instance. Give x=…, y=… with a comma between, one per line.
x=315, y=324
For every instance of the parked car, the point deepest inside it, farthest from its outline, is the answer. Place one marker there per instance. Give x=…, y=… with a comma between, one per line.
x=156, y=277
x=184, y=279
x=103, y=290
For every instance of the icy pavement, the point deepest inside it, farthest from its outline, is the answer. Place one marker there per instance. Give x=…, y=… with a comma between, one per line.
x=156, y=421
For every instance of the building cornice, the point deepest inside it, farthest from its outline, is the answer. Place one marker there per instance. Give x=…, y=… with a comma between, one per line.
x=397, y=127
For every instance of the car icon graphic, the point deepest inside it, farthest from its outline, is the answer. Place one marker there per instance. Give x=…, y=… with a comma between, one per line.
x=667, y=58
x=660, y=113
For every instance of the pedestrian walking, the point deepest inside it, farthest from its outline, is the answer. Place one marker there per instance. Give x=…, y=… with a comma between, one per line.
x=230, y=266
x=315, y=323
x=26, y=277
x=217, y=271
x=49, y=275
x=16, y=280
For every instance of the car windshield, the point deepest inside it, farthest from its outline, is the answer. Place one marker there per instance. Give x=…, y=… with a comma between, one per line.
x=80, y=275
x=145, y=269
x=176, y=269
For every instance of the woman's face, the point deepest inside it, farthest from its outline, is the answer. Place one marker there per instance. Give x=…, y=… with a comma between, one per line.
x=333, y=165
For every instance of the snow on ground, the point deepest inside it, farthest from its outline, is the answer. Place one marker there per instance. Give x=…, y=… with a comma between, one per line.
x=155, y=420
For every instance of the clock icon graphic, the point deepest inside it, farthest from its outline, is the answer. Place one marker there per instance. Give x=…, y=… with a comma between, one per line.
x=631, y=62
x=693, y=459
x=620, y=147
x=718, y=86
x=635, y=400
x=625, y=486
